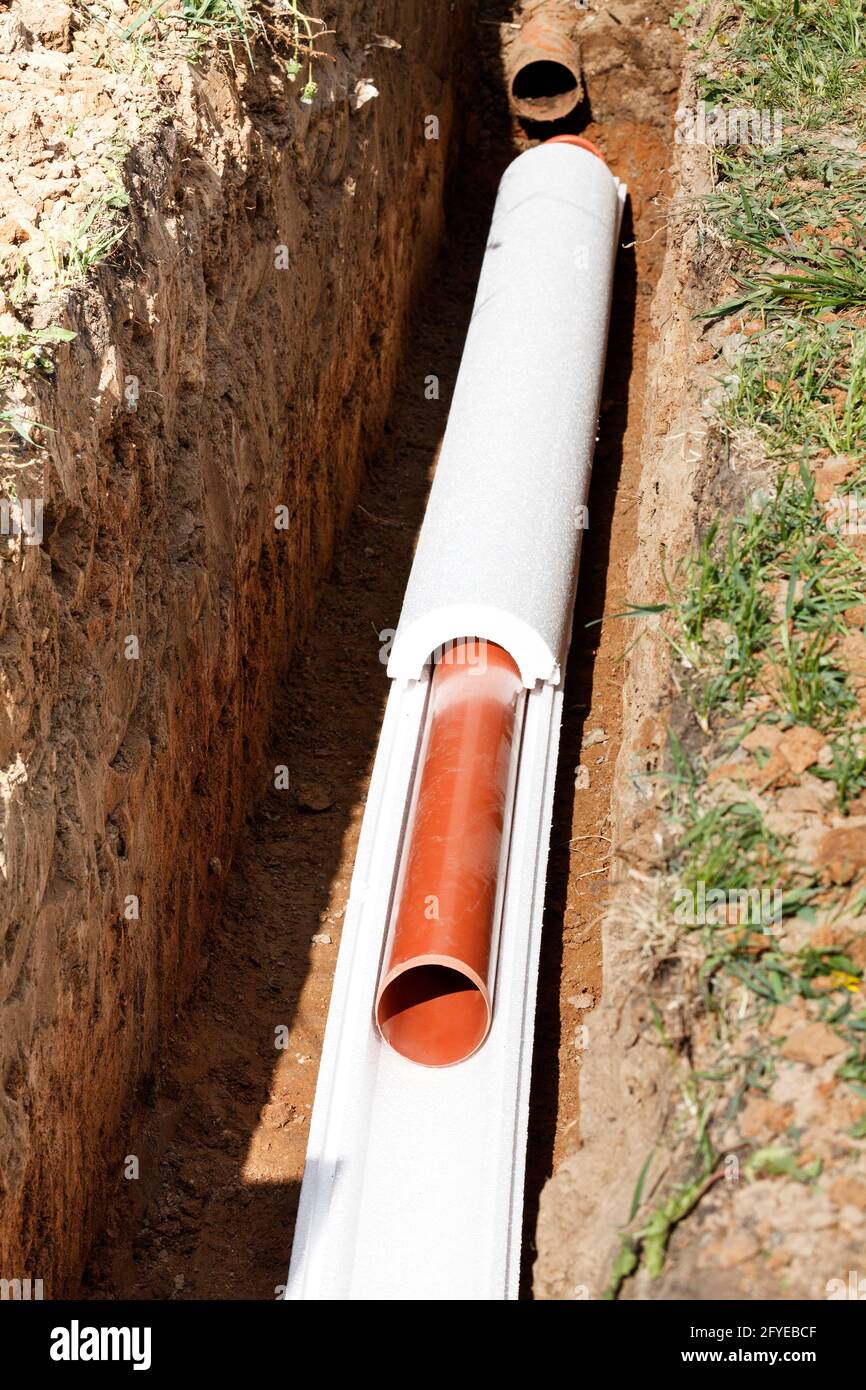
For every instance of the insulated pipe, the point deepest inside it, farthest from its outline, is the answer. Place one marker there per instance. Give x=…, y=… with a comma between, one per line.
x=435, y=1000
x=543, y=68
x=499, y=548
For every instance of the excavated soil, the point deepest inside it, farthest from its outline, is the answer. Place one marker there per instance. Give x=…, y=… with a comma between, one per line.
x=223, y=1136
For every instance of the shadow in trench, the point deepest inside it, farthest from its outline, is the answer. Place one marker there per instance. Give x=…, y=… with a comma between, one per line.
x=592, y=591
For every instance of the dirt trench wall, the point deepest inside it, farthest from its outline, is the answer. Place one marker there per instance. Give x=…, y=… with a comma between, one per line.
x=627, y=1086
x=143, y=639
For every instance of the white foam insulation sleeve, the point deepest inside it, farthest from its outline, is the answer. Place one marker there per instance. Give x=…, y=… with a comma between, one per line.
x=499, y=547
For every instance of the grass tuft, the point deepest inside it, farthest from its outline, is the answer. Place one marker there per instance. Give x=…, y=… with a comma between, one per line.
x=802, y=57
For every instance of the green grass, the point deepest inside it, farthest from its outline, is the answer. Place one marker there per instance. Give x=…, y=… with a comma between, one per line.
x=825, y=279
x=793, y=216
x=215, y=22
x=803, y=57
x=80, y=249
x=187, y=29
x=763, y=596
x=848, y=770
x=729, y=848
x=801, y=392
x=194, y=29
x=22, y=354
x=756, y=609
x=765, y=191
x=680, y=19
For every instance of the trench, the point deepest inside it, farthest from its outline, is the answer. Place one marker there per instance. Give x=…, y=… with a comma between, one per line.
x=221, y=1136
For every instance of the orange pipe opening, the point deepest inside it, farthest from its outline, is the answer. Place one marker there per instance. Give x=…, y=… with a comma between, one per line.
x=434, y=1001
x=543, y=68
x=579, y=140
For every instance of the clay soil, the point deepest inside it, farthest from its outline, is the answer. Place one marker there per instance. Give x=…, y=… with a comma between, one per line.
x=221, y=1138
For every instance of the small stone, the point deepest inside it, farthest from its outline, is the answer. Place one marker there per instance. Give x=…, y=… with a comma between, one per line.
x=13, y=34
x=10, y=326
x=762, y=736
x=724, y=772
x=321, y=939
x=785, y=1018
x=585, y=1000
x=775, y=772
x=800, y=747
x=277, y=1114
x=842, y=852
x=813, y=1043
x=849, y=1192
x=313, y=796
x=593, y=737
x=364, y=91
x=811, y=796
x=179, y=1282
x=851, y=653
x=737, y=1249
x=830, y=475
x=49, y=21
x=764, y=1117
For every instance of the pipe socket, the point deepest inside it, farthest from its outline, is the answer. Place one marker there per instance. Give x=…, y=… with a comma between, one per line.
x=543, y=68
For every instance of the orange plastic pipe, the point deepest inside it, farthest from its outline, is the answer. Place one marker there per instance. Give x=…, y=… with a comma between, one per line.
x=543, y=68
x=434, y=1001
x=579, y=140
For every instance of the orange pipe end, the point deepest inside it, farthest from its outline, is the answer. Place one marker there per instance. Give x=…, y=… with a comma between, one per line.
x=578, y=140
x=434, y=1003
x=543, y=68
